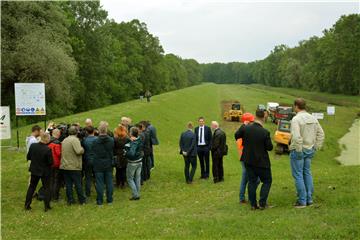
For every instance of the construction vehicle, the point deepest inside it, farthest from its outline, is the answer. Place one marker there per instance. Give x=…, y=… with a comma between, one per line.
x=266, y=112
x=282, y=136
x=271, y=109
x=283, y=113
x=234, y=114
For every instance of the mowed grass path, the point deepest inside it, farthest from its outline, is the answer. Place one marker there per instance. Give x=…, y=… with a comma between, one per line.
x=170, y=209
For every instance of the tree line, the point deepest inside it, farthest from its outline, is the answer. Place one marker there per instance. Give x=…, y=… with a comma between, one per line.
x=85, y=59
x=330, y=63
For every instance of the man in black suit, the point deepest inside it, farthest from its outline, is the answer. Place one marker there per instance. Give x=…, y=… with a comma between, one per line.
x=203, y=140
x=256, y=142
x=218, y=150
x=188, y=150
x=41, y=160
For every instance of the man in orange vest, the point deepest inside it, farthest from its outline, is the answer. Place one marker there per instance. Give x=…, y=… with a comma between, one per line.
x=247, y=118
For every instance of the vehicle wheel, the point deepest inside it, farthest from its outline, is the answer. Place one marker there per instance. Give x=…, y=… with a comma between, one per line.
x=279, y=149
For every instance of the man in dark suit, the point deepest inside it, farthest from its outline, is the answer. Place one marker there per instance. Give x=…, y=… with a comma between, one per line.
x=41, y=161
x=218, y=150
x=187, y=146
x=203, y=140
x=256, y=142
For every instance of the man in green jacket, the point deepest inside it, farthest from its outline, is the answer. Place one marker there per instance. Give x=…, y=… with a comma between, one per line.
x=71, y=164
x=134, y=155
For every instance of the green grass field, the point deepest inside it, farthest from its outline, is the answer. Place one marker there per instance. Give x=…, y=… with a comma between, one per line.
x=170, y=209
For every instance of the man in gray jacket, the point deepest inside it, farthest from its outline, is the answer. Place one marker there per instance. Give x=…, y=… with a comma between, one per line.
x=307, y=136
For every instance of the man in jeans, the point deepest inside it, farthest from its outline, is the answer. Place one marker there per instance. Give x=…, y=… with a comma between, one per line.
x=134, y=155
x=103, y=149
x=307, y=136
x=71, y=164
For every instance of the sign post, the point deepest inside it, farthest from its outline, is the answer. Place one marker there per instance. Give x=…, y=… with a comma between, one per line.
x=5, y=128
x=318, y=115
x=330, y=110
x=29, y=101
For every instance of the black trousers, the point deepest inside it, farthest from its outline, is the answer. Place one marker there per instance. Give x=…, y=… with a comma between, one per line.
x=189, y=175
x=204, y=155
x=55, y=183
x=145, y=168
x=254, y=174
x=45, y=180
x=120, y=176
x=217, y=167
x=89, y=179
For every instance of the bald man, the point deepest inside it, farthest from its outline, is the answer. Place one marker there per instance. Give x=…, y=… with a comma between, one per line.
x=218, y=150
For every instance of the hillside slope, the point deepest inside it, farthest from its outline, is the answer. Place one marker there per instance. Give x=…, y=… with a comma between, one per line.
x=171, y=209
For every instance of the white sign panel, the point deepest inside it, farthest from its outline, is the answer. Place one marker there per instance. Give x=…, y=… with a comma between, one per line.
x=330, y=110
x=30, y=99
x=5, y=130
x=318, y=116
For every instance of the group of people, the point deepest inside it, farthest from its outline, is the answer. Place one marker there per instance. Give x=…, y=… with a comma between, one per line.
x=73, y=156
x=254, y=143
x=201, y=142
x=91, y=153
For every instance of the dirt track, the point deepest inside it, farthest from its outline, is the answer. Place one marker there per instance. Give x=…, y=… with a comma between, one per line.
x=228, y=125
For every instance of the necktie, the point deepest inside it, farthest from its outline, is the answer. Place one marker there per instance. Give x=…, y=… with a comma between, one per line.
x=201, y=134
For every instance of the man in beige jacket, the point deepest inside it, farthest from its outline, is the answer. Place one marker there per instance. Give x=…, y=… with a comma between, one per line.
x=71, y=164
x=307, y=136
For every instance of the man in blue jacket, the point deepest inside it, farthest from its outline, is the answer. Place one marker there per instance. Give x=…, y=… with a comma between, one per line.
x=188, y=150
x=103, y=148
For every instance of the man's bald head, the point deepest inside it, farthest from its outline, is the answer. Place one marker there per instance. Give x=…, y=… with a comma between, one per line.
x=88, y=122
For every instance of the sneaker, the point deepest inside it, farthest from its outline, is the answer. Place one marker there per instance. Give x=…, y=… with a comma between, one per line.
x=243, y=201
x=309, y=204
x=299, y=205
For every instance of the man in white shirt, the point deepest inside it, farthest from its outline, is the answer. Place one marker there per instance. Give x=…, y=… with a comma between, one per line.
x=33, y=138
x=203, y=140
x=307, y=136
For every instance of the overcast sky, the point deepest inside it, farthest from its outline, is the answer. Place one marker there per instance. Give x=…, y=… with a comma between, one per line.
x=225, y=31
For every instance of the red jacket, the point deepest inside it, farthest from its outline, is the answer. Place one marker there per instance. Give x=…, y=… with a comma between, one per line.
x=55, y=147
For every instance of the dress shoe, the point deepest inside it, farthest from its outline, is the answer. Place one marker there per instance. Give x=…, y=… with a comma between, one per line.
x=253, y=208
x=134, y=198
x=48, y=208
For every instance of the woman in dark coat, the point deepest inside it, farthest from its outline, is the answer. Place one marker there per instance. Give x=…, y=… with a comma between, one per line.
x=121, y=138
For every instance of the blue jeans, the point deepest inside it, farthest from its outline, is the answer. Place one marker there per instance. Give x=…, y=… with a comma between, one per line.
x=244, y=181
x=133, y=174
x=101, y=179
x=301, y=171
x=73, y=177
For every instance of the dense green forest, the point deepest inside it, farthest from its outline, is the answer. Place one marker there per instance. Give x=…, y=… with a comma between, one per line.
x=89, y=61
x=86, y=60
x=330, y=63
